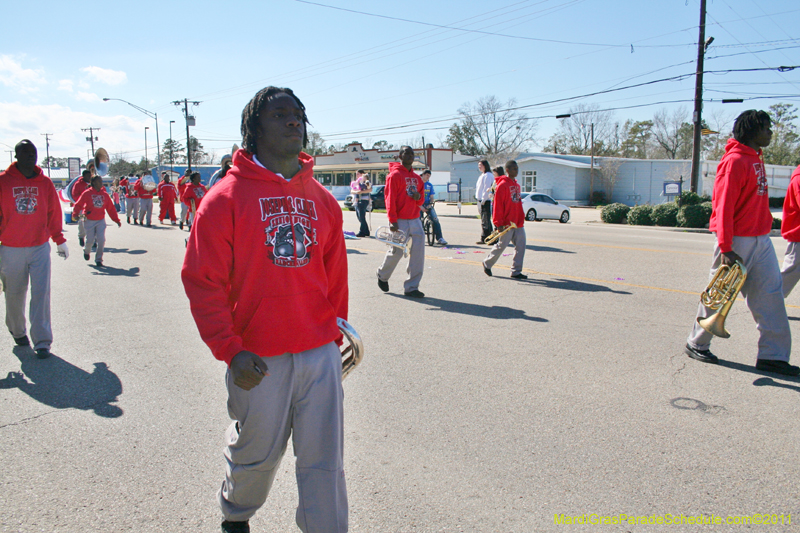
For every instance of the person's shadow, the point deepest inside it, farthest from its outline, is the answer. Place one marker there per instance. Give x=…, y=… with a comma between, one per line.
x=483, y=311
x=112, y=250
x=112, y=271
x=59, y=384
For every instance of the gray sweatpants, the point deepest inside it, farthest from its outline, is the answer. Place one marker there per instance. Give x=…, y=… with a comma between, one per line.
x=18, y=266
x=790, y=273
x=515, y=236
x=184, y=212
x=416, y=259
x=133, y=208
x=301, y=397
x=81, y=227
x=95, y=231
x=145, y=208
x=762, y=292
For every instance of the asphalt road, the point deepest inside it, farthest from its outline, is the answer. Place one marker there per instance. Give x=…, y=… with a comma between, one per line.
x=492, y=405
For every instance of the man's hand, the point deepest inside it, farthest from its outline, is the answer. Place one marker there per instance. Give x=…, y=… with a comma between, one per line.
x=62, y=250
x=248, y=370
x=393, y=227
x=729, y=258
x=416, y=196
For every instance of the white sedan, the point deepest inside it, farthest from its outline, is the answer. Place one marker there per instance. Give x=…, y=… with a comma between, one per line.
x=537, y=206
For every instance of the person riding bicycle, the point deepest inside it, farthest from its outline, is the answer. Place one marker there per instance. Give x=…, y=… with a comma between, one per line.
x=427, y=207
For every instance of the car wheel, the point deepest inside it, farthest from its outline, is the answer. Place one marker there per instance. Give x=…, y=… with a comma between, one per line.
x=564, y=217
x=531, y=216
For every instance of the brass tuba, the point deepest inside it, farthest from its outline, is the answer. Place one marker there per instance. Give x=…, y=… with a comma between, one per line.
x=720, y=295
x=397, y=239
x=352, y=353
x=496, y=234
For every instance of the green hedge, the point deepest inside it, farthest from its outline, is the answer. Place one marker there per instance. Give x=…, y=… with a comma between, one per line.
x=692, y=198
x=614, y=213
x=694, y=216
x=665, y=214
x=776, y=223
x=641, y=215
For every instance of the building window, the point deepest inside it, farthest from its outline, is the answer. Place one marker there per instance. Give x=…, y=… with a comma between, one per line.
x=323, y=177
x=528, y=180
x=343, y=178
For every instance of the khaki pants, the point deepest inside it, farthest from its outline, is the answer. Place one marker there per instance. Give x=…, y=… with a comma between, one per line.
x=516, y=236
x=18, y=267
x=416, y=259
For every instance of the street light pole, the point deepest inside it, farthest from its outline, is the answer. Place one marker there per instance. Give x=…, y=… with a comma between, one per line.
x=171, y=143
x=145, y=146
x=149, y=114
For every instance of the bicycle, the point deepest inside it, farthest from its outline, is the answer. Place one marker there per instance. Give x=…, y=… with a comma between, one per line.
x=427, y=225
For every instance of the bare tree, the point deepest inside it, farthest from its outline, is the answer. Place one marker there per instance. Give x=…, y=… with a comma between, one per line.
x=316, y=144
x=720, y=121
x=575, y=133
x=497, y=129
x=670, y=133
x=609, y=168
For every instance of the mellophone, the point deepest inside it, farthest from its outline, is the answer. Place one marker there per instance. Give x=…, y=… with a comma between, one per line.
x=396, y=239
x=352, y=350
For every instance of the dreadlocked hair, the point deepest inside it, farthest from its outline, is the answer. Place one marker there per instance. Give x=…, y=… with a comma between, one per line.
x=749, y=123
x=252, y=111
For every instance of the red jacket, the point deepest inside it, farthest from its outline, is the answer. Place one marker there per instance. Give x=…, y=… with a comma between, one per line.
x=167, y=192
x=740, y=205
x=507, y=204
x=94, y=203
x=790, y=226
x=266, y=265
x=194, y=192
x=78, y=188
x=30, y=212
x=183, y=182
x=399, y=184
x=143, y=193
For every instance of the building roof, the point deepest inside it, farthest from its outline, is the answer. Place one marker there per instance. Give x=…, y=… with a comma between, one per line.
x=557, y=161
x=332, y=167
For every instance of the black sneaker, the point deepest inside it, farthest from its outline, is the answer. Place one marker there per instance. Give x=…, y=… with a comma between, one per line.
x=704, y=356
x=487, y=271
x=415, y=294
x=42, y=353
x=81, y=241
x=86, y=256
x=519, y=276
x=129, y=220
x=777, y=367
x=235, y=527
x=384, y=285
x=98, y=263
x=22, y=341
x=181, y=225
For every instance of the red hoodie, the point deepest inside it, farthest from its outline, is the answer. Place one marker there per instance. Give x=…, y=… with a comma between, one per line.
x=507, y=204
x=143, y=193
x=790, y=227
x=740, y=205
x=194, y=192
x=79, y=187
x=266, y=265
x=95, y=204
x=30, y=212
x=399, y=186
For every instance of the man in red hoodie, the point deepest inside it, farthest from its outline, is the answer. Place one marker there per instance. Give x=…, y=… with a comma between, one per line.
x=145, y=199
x=265, y=272
x=790, y=229
x=742, y=221
x=95, y=203
x=167, y=194
x=30, y=215
x=77, y=189
x=404, y=194
x=507, y=210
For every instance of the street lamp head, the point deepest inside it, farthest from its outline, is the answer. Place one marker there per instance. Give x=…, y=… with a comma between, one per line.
x=563, y=116
x=106, y=99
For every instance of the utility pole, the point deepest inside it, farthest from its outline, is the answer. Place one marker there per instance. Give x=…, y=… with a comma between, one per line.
x=91, y=138
x=47, y=141
x=694, y=179
x=171, y=144
x=189, y=122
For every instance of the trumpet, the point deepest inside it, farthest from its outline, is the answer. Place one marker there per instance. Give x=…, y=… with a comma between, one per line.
x=496, y=234
x=398, y=239
x=352, y=353
x=720, y=295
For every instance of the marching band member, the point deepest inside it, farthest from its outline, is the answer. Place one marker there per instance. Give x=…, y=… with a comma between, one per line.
x=133, y=200
x=167, y=194
x=145, y=201
x=95, y=203
x=77, y=189
x=192, y=195
x=266, y=275
x=790, y=230
x=507, y=209
x=404, y=195
x=30, y=215
x=742, y=221
x=183, y=181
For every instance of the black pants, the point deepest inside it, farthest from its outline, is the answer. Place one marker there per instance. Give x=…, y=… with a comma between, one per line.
x=486, y=220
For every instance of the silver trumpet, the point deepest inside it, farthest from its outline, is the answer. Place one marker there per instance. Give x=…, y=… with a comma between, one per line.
x=398, y=239
x=352, y=353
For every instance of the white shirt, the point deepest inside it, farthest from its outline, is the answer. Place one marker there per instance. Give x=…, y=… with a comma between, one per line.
x=484, y=186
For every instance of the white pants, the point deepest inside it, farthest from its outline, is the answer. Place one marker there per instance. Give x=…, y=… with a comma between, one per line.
x=763, y=294
x=18, y=266
x=95, y=231
x=518, y=238
x=416, y=259
x=790, y=273
x=301, y=397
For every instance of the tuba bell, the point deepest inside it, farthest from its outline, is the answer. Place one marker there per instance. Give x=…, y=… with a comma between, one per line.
x=353, y=350
x=720, y=295
x=148, y=182
x=397, y=239
x=98, y=166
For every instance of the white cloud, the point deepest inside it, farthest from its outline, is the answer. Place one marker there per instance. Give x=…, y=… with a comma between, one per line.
x=14, y=76
x=65, y=85
x=104, y=75
x=87, y=97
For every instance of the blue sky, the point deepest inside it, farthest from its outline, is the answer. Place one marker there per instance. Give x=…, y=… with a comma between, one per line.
x=361, y=75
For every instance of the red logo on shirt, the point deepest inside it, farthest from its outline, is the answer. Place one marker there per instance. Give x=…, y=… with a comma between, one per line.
x=25, y=199
x=290, y=235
